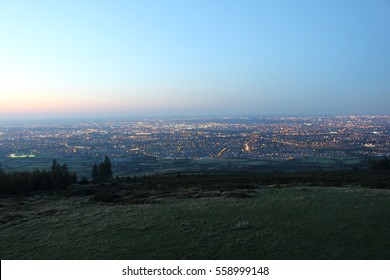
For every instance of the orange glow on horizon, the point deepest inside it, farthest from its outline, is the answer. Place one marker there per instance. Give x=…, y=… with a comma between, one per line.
x=52, y=104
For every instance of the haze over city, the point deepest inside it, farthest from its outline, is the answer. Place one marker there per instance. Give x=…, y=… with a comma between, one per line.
x=193, y=58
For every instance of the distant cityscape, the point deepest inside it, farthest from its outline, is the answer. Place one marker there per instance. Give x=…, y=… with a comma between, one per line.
x=197, y=138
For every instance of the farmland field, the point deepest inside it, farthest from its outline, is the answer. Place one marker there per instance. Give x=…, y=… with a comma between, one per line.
x=139, y=167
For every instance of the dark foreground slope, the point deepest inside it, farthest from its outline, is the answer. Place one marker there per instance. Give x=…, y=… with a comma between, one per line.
x=282, y=216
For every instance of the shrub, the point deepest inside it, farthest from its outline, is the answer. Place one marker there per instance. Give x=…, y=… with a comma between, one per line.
x=105, y=196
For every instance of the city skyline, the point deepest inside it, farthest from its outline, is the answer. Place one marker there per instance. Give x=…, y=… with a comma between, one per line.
x=195, y=58
x=273, y=139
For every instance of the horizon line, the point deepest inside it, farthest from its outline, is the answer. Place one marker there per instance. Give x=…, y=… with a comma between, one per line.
x=206, y=116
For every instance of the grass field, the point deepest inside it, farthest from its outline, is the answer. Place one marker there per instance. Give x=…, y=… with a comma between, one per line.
x=139, y=167
x=81, y=165
x=292, y=222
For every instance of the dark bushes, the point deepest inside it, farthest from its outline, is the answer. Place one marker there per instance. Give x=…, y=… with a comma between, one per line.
x=106, y=196
x=380, y=163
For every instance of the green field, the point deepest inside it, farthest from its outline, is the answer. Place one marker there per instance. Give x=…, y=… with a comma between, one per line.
x=214, y=218
x=81, y=165
x=139, y=167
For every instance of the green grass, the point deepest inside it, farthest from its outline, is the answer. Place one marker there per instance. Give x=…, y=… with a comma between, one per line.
x=333, y=160
x=82, y=166
x=278, y=223
x=139, y=167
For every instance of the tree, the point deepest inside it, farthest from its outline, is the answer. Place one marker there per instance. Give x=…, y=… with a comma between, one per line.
x=84, y=181
x=73, y=177
x=55, y=167
x=24, y=181
x=105, y=169
x=381, y=163
x=95, y=173
x=103, y=172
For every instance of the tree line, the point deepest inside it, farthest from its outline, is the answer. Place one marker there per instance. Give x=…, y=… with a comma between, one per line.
x=57, y=177
x=103, y=171
x=382, y=163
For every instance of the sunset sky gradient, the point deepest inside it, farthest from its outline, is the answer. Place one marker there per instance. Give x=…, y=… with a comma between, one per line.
x=193, y=58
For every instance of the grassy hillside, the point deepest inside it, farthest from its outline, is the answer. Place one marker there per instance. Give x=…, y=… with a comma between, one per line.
x=184, y=218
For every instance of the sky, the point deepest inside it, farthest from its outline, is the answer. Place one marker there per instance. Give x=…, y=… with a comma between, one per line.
x=193, y=58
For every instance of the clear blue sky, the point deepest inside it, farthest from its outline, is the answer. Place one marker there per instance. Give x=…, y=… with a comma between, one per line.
x=136, y=58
